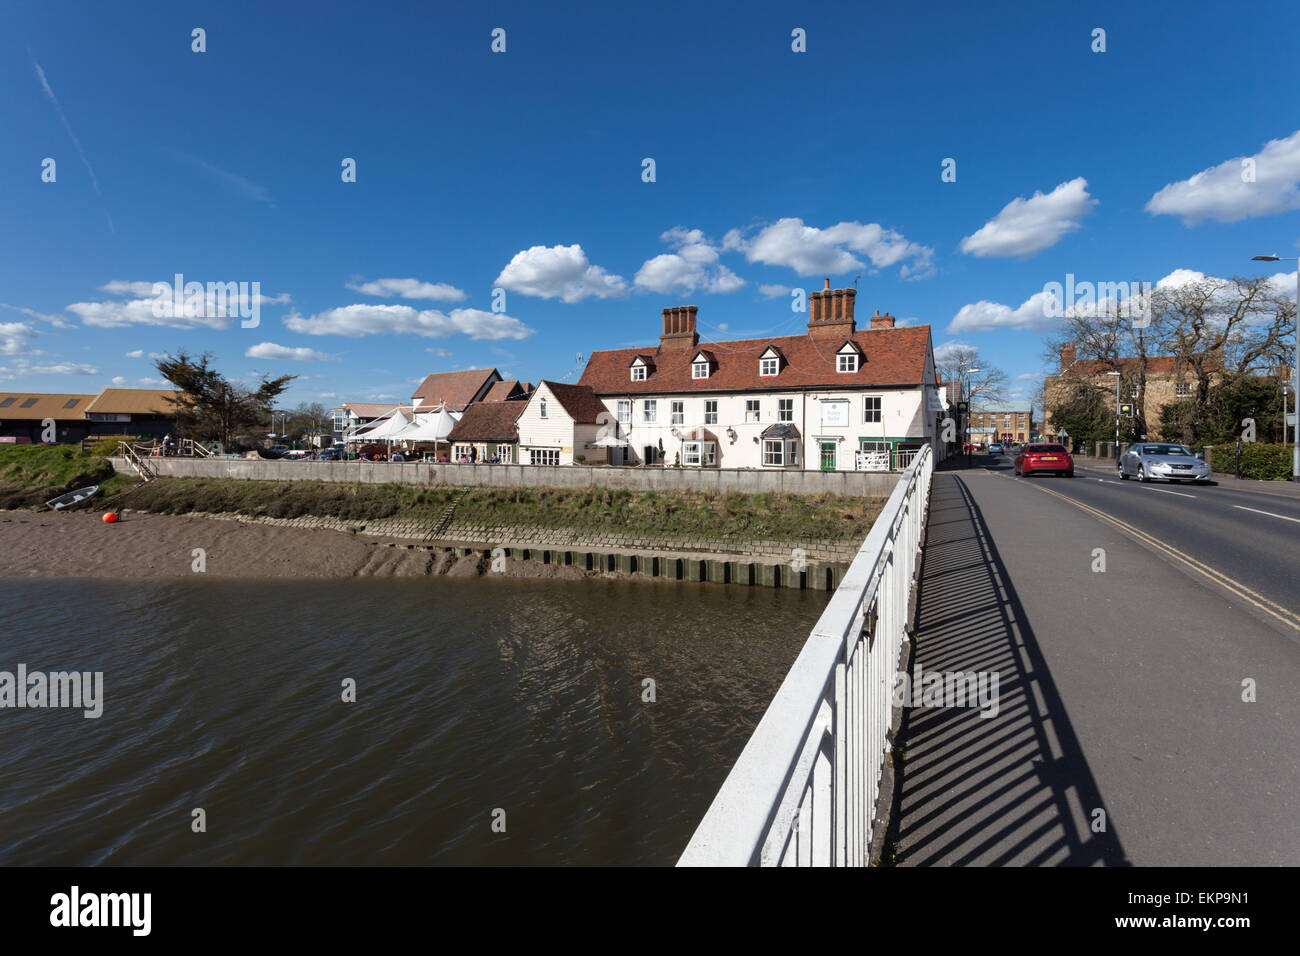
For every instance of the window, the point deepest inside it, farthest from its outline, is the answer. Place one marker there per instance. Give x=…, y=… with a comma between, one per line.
x=542, y=408
x=638, y=373
x=8, y=401
x=28, y=403
x=1181, y=390
x=506, y=454
x=711, y=412
x=679, y=413
x=751, y=409
x=768, y=366
x=650, y=411
x=847, y=363
x=871, y=408
x=625, y=411
x=699, y=370
x=545, y=456
x=459, y=451
x=71, y=403
x=697, y=453
x=785, y=409
x=773, y=452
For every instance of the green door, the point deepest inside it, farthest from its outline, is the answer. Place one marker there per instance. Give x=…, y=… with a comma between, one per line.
x=828, y=456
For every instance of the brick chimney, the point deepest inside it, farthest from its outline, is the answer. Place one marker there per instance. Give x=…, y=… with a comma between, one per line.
x=1068, y=355
x=830, y=313
x=679, y=328
x=879, y=321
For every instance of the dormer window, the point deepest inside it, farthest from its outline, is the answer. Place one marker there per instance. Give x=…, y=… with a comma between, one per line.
x=699, y=370
x=847, y=358
x=638, y=373
x=641, y=366
x=769, y=363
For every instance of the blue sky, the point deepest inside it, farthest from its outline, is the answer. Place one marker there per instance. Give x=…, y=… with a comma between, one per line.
x=523, y=170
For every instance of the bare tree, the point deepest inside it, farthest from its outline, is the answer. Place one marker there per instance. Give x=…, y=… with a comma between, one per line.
x=981, y=382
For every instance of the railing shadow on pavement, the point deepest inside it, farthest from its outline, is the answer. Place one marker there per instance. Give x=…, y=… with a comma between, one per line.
x=1011, y=789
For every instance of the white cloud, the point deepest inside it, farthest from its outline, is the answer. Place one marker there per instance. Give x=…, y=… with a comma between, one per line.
x=772, y=291
x=1029, y=377
x=410, y=289
x=54, y=320
x=440, y=353
x=119, y=380
x=1025, y=227
x=137, y=353
x=559, y=272
x=693, y=266
x=1035, y=313
x=140, y=309
x=1218, y=193
x=809, y=250
x=283, y=353
x=23, y=367
x=14, y=337
x=355, y=321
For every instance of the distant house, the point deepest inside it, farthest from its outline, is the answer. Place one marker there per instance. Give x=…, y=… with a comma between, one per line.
x=508, y=391
x=456, y=391
x=114, y=411
x=561, y=422
x=23, y=415
x=350, y=416
x=491, y=428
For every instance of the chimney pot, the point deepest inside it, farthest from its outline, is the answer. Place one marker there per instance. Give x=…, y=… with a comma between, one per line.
x=827, y=285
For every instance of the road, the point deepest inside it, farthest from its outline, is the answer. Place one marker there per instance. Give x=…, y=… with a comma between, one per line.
x=1131, y=625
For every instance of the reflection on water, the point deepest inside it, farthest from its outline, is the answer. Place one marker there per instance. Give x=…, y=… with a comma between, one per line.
x=472, y=695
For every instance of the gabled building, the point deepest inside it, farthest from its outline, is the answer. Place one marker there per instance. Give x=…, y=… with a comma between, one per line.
x=143, y=412
x=812, y=401
x=491, y=429
x=561, y=424
x=456, y=390
x=23, y=416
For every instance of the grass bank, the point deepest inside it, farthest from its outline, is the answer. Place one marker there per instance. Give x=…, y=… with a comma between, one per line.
x=657, y=513
x=31, y=475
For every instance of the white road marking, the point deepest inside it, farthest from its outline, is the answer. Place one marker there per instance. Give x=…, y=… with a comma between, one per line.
x=1269, y=513
x=1166, y=491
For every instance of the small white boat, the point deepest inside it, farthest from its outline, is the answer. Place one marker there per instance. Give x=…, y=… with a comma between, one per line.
x=71, y=498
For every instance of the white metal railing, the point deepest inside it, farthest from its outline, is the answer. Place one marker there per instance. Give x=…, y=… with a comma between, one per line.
x=903, y=458
x=805, y=789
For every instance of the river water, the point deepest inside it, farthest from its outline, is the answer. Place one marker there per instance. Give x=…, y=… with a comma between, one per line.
x=519, y=701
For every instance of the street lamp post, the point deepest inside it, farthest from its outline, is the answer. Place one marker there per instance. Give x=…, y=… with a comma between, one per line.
x=1295, y=436
x=969, y=412
x=1118, y=378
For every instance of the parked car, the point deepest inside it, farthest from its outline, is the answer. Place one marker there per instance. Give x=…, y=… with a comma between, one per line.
x=330, y=454
x=1147, y=461
x=299, y=455
x=1039, y=457
x=995, y=449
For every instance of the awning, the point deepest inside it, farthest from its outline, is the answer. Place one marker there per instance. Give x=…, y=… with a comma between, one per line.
x=783, y=430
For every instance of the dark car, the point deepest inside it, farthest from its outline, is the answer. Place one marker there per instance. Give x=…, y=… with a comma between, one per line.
x=1039, y=457
x=330, y=454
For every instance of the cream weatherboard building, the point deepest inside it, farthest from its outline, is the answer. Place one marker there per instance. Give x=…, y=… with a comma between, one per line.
x=834, y=398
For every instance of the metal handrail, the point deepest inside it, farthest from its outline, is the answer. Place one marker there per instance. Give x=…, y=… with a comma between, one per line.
x=805, y=789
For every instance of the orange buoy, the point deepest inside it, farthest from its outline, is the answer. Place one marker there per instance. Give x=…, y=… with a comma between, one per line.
x=109, y=517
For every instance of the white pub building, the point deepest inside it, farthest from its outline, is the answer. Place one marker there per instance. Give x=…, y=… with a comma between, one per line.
x=834, y=398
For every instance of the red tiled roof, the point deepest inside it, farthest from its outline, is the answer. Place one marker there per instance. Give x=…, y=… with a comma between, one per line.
x=579, y=401
x=504, y=392
x=894, y=357
x=488, y=421
x=454, y=389
x=369, y=409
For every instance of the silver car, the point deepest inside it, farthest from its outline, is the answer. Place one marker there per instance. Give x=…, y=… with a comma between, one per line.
x=1148, y=461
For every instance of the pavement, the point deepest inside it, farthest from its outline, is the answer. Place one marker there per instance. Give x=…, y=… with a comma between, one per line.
x=1126, y=624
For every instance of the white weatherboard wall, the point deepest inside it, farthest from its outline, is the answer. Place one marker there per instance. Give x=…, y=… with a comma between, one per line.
x=903, y=415
x=556, y=431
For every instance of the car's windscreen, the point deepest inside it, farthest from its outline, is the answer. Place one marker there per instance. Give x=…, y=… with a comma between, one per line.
x=1037, y=449
x=1165, y=450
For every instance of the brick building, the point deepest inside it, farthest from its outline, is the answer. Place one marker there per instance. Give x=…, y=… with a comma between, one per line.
x=1005, y=422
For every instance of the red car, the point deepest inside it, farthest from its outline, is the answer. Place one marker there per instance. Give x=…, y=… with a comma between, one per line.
x=1041, y=457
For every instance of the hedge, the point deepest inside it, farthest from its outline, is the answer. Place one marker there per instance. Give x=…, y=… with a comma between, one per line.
x=1258, y=460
